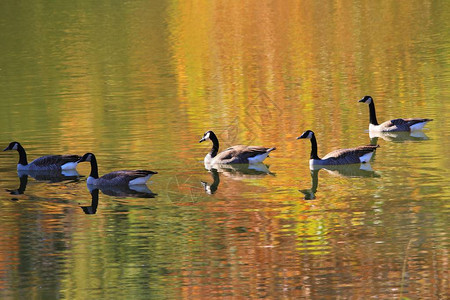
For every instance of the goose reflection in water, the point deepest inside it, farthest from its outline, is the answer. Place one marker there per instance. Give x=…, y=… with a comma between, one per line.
x=212, y=188
x=353, y=170
x=23, y=185
x=92, y=209
x=50, y=176
x=235, y=171
x=124, y=191
x=397, y=136
x=135, y=191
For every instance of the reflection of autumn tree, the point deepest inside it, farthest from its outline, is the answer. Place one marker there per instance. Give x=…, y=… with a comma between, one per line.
x=228, y=53
x=140, y=82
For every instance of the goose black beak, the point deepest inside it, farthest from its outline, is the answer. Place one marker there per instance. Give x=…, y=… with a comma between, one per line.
x=362, y=100
x=202, y=140
x=6, y=149
x=299, y=138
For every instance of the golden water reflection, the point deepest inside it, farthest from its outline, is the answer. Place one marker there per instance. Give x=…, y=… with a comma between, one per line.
x=138, y=84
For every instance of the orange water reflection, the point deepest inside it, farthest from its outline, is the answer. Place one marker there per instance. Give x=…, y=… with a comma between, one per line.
x=138, y=84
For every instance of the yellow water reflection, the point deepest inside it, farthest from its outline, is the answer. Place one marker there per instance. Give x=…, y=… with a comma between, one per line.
x=138, y=84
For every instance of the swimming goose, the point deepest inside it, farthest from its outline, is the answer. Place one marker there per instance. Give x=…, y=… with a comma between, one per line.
x=238, y=154
x=410, y=124
x=123, y=177
x=49, y=162
x=361, y=154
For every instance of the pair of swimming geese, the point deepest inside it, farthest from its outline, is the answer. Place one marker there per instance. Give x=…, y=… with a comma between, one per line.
x=233, y=155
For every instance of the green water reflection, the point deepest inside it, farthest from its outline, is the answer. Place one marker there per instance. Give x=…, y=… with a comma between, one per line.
x=138, y=83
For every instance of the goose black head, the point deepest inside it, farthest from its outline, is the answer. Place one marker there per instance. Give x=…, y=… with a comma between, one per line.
x=366, y=99
x=308, y=134
x=12, y=146
x=206, y=136
x=87, y=157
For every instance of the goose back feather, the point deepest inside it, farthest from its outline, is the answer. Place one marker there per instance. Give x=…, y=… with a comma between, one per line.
x=361, y=154
x=64, y=162
x=125, y=177
x=241, y=154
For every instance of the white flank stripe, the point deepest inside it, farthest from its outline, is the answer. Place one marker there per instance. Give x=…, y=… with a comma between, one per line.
x=417, y=126
x=257, y=158
x=140, y=180
x=69, y=166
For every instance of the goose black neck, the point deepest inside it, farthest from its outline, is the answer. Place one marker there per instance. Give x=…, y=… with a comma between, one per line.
x=94, y=167
x=373, y=115
x=215, y=147
x=22, y=155
x=314, y=148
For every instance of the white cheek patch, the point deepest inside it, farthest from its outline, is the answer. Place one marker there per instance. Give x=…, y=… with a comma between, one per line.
x=310, y=135
x=369, y=101
x=206, y=137
x=15, y=147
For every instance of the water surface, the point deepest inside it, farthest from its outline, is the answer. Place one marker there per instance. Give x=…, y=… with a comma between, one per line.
x=139, y=83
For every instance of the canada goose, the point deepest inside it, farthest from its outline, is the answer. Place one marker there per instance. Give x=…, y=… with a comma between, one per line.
x=238, y=154
x=410, y=124
x=361, y=154
x=123, y=177
x=48, y=162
